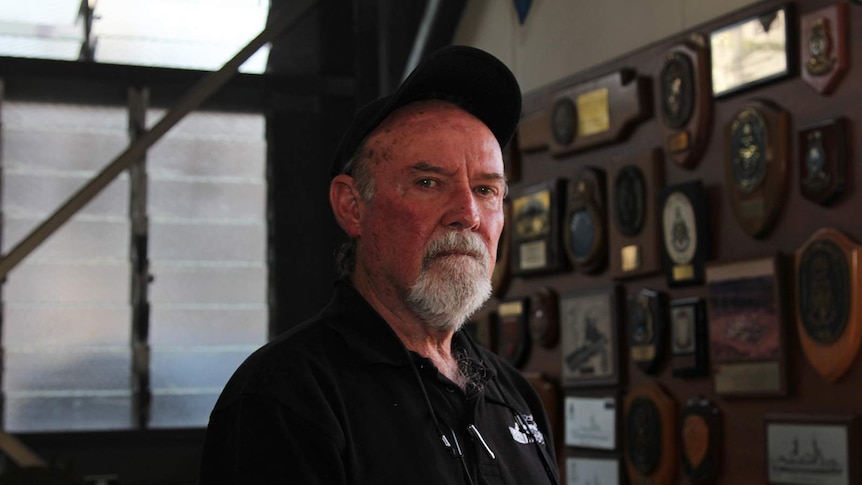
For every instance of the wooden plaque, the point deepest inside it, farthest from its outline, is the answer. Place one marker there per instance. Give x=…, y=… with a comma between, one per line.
x=544, y=317
x=689, y=347
x=584, y=228
x=701, y=441
x=647, y=325
x=589, y=349
x=828, y=289
x=634, y=238
x=536, y=229
x=589, y=114
x=684, y=97
x=651, y=436
x=502, y=268
x=756, y=165
x=685, y=232
x=824, y=161
x=823, y=47
x=746, y=328
x=513, y=338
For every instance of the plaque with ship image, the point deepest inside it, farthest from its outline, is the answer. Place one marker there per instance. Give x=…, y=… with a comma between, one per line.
x=590, y=346
x=812, y=450
x=592, y=421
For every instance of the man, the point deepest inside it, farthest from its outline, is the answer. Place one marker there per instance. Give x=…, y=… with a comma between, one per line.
x=382, y=387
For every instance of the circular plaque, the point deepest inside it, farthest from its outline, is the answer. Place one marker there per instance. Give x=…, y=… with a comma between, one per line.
x=677, y=90
x=644, y=436
x=544, y=317
x=680, y=231
x=748, y=146
x=563, y=121
x=824, y=291
x=630, y=199
x=584, y=227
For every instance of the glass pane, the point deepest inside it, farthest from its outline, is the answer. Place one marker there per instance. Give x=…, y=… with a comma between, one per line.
x=181, y=410
x=207, y=206
x=66, y=313
x=107, y=411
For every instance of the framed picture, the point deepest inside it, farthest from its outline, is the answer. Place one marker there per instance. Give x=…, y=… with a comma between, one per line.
x=746, y=328
x=752, y=52
x=592, y=420
x=812, y=449
x=590, y=342
x=590, y=470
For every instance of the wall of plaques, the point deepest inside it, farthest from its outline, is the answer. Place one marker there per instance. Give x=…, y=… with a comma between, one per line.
x=680, y=274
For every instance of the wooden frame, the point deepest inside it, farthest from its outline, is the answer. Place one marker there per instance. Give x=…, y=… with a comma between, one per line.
x=746, y=328
x=590, y=350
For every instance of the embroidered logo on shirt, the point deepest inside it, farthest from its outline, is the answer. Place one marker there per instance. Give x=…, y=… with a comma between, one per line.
x=525, y=430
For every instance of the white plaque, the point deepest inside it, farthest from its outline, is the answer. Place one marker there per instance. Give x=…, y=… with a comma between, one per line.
x=591, y=422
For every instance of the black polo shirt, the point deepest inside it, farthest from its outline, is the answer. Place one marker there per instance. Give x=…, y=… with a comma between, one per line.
x=339, y=400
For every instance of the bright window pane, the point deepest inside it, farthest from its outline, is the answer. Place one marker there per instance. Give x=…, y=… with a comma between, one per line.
x=207, y=206
x=66, y=314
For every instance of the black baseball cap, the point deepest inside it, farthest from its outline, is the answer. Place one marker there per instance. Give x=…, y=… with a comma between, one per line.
x=467, y=76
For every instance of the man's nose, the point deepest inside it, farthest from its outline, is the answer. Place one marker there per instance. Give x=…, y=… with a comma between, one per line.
x=464, y=210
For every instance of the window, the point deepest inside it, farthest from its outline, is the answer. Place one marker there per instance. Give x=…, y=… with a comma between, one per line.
x=67, y=316
x=185, y=34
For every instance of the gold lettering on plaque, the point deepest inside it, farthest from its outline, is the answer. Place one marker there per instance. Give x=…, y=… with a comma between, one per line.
x=512, y=308
x=643, y=352
x=683, y=272
x=594, y=115
x=754, y=377
x=631, y=256
x=534, y=255
x=752, y=209
x=678, y=142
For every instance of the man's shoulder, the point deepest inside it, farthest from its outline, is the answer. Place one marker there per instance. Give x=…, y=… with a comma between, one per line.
x=300, y=354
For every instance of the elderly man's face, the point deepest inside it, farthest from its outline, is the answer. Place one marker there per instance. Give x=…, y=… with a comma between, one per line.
x=430, y=231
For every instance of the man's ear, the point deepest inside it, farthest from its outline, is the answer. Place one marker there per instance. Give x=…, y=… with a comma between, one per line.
x=346, y=202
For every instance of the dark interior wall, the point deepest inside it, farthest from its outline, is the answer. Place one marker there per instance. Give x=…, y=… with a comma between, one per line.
x=742, y=451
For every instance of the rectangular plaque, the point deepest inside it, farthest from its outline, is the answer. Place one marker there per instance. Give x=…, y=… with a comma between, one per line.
x=592, y=421
x=591, y=470
x=634, y=237
x=588, y=114
x=747, y=328
x=590, y=342
x=685, y=232
x=535, y=230
x=689, y=346
x=812, y=449
x=752, y=52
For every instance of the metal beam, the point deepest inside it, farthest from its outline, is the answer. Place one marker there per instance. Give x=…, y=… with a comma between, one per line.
x=198, y=93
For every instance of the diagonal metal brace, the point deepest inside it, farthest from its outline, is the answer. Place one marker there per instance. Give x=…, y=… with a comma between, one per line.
x=196, y=95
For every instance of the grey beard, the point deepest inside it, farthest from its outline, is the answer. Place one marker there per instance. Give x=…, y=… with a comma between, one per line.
x=450, y=289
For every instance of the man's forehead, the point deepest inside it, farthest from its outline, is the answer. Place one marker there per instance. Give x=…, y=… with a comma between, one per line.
x=415, y=113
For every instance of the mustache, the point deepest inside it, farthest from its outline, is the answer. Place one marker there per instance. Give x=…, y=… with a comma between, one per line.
x=466, y=243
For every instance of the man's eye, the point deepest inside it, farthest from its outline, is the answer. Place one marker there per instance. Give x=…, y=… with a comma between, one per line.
x=486, y=190
x=427, y=183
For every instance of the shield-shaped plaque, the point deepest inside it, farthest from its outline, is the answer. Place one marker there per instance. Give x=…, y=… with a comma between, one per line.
x=651, y=436
x=827, y=302
x=823, y=47
x=700, y=440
